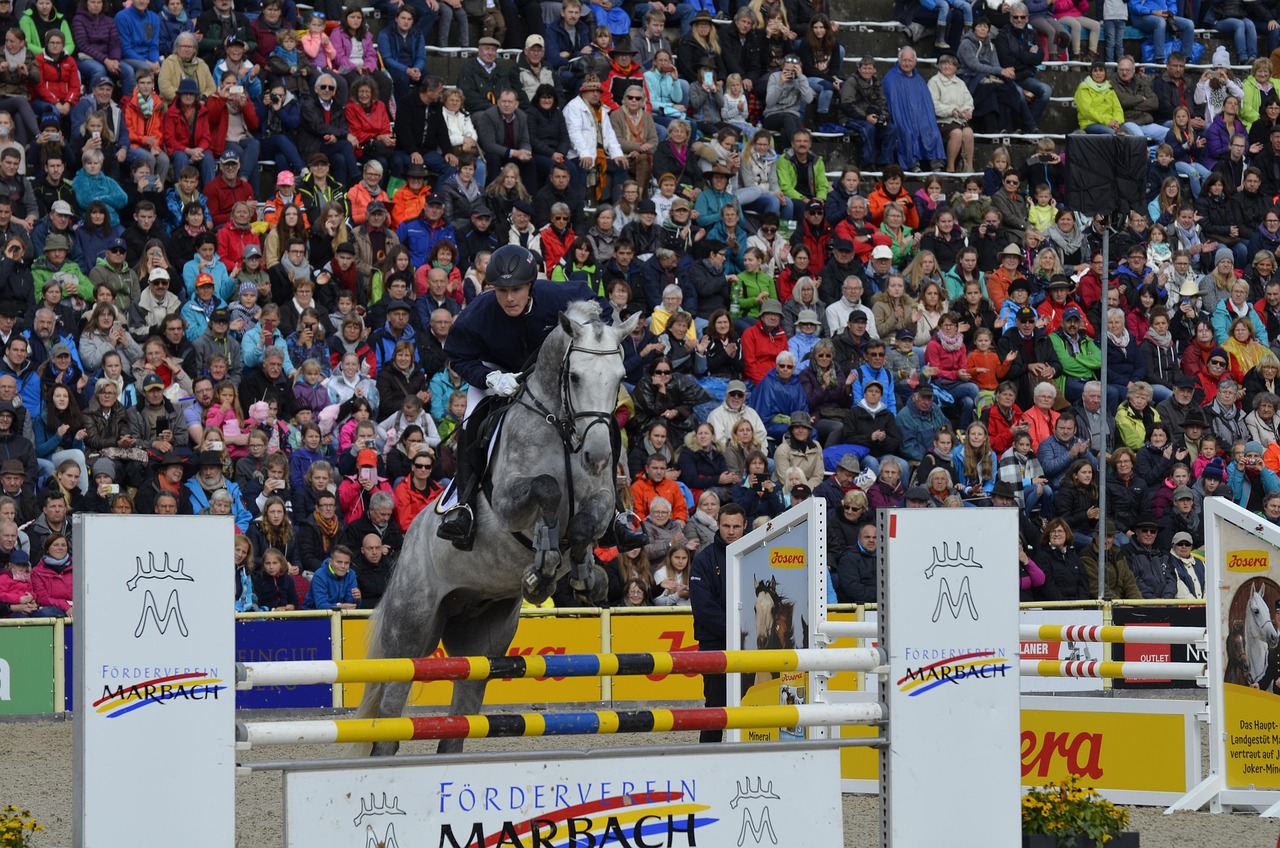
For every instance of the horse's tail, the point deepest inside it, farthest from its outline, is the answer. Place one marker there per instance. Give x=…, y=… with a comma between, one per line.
x=371, y=703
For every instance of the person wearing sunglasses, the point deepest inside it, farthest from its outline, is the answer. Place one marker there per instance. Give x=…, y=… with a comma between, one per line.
x=1018, y=48
x=323, y=129
x=416, y=490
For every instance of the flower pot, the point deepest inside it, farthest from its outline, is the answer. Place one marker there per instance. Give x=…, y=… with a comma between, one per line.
x=1124, y=839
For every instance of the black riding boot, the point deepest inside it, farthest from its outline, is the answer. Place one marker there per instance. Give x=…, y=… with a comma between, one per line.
x=458, y=525
x=623, y=535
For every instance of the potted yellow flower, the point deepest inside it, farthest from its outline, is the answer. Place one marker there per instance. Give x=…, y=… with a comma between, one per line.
x=1067, y=815
x=17, y=827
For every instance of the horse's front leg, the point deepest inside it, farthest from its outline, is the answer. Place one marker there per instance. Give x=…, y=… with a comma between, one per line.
x=542, y=492
x=586, y=526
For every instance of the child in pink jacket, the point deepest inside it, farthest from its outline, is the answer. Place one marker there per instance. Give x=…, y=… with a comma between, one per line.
x=52, y=576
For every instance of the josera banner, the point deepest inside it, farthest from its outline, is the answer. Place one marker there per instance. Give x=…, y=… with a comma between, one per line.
x=535, y=636
x=1133, y=751
x=1248, y=573
x=279, y=640
x=1157, y=617
x=26, y=670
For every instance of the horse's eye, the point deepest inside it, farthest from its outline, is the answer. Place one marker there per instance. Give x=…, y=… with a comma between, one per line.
x=575, y=379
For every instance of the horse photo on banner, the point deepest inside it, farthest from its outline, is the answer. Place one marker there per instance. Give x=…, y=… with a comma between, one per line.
x=770, y=577
x=1242, y=560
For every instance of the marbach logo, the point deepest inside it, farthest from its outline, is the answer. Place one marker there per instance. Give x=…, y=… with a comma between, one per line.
x=962, y=598
x=173, y=606
x=192, y=686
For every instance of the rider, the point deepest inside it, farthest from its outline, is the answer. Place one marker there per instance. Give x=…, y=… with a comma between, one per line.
x=490, y=344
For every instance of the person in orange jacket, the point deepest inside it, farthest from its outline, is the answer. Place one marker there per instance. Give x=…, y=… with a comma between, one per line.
x=144, y=118
x=652, y=483
x=411, y=198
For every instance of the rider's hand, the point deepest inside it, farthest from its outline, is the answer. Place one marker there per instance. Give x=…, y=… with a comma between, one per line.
x=503, y=383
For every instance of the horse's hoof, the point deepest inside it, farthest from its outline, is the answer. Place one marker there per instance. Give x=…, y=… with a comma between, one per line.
x=537, y=586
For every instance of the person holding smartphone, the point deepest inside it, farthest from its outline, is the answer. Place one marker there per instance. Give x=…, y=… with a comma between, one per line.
x=355, y=491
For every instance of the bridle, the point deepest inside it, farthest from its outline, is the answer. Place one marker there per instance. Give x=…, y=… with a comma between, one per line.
x=565, y=424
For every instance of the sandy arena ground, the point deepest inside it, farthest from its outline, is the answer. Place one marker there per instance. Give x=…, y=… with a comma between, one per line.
x=39, y=778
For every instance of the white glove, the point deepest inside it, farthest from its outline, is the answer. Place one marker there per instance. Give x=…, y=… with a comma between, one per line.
x=502, y=383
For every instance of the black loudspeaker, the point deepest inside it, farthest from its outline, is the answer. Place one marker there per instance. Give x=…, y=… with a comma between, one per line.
x=1106, y=174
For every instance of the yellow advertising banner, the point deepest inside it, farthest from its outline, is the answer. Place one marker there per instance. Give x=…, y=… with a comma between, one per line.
x=1253, y=737
x=535, y=636
x=1246, y=650
x=1139, y=752
x=665, y=633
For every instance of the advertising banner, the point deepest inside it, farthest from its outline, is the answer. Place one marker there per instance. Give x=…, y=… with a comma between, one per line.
x=1132, y=751
x=26, y=670
x=1062, y=651
x=641, y=633
x=1248, y=643
x=769, y=584
x=535, y=636
x=282, y=640
x=720, y=798
x=155, y=678
x=949, y=623
x=1158, y=617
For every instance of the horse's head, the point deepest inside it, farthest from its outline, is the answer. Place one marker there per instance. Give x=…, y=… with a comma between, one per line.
x=580, y=366
x=1257, y=616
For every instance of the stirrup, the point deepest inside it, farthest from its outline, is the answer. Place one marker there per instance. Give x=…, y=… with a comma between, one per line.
x=458, y=526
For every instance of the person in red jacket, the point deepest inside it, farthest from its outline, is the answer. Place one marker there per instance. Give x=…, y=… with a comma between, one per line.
x=814, y=233
x=1004, y=418
x=232, y=124
x=236, y=235
x=59, y=86
x=185, y=129
x=763, y=341
x=227, y=189
x=416, y=490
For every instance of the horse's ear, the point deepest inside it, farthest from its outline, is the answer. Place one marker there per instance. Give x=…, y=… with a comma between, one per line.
x=566, y=324
x=628, y=326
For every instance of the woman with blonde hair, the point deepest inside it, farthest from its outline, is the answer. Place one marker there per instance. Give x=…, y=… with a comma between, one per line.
x=1244, y=351
x=741, y=443
x=501, y=195
x=923, y=269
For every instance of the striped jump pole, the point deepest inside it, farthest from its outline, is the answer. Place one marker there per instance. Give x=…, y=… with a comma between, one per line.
x=266, y=733
x=1131, y=634
x=1100, y=668
x=309, y=672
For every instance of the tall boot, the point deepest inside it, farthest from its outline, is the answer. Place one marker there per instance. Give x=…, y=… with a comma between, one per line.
x=459, y=524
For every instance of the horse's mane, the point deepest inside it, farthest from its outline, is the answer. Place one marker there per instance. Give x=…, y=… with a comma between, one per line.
x=584, y=312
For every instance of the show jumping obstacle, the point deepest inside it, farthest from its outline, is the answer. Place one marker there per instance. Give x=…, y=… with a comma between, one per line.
x=597, y=723
x=309, y=672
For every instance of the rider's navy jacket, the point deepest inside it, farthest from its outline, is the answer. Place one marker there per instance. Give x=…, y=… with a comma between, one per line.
x=484, y=333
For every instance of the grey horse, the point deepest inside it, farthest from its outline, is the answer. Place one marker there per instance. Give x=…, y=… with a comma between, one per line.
x=470, y=601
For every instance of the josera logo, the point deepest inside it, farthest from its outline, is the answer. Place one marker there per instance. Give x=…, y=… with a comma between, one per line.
x=1081, y=753
x=786, y=558
x=1247, y=561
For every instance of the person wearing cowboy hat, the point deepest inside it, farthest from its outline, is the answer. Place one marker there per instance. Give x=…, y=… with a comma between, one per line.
x=623, y=73
x=590, y=134
x=999, y=280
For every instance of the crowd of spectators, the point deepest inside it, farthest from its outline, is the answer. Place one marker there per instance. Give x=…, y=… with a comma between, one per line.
x=187, y=330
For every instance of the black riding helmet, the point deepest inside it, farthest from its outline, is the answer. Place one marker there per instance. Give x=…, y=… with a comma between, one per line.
x=511, y=266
